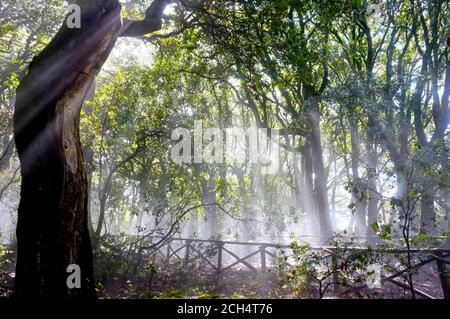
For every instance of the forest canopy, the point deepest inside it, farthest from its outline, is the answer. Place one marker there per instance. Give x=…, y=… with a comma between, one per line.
x=145, y=140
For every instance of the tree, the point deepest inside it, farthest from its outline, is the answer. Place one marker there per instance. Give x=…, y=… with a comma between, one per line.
x=52, y=230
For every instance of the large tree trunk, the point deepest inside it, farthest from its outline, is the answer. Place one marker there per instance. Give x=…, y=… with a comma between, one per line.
x=88, y=154
x=303, y=191
x=52, y=231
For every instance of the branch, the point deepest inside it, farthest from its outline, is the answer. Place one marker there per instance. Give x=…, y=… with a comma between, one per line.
x=12, y=181
x=7, y=150
x=151, y=23
x=154, y=37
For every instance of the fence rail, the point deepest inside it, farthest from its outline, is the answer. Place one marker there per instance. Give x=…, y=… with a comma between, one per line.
x=221, y=256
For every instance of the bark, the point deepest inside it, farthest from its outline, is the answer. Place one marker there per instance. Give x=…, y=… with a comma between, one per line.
x=372, y=193
x=427, y=217
x=445, y=118
x=52, y=228
x=443, y=277
x=298, y=178
x=333, y=204
x=103, y=198
x=6, y=153
x=300, y=205
x=447, y=209
x=105, y=190
x=320, y=180
x=8, y=184
x=360, y=203
x=249, y=196
x=309, y=202
x=372, y=161
x=208, y=198
x=88, y=154
x=446, y=193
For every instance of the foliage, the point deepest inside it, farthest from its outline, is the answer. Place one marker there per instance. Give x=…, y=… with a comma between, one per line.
x=361, y=101
x=312, y=272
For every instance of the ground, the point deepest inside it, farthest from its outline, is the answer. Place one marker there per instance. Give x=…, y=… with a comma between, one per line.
x=175, y=281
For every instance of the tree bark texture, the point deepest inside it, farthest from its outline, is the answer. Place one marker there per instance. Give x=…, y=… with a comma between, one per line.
x=52, y=229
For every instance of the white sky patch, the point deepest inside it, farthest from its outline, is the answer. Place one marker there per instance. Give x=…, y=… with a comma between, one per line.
x=234, y=81
x=128, y=51
x=169, y=10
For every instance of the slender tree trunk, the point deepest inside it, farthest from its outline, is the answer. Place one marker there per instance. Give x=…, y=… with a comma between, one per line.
x=6, y=153
x=208, y=197
x=89, y=161
x=298, y=184
x=309, y=202
x=372, y=193
x=446, y=192
x=52, y=228
x=359, y=201
x=301, y=192
x=320, y=180
x=333, y=204
x=427, y=217
x=103, y=198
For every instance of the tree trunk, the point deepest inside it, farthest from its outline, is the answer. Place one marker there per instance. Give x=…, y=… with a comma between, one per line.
x=6, y=153
x=208, y=198
x=88, y=155
x=427, y=217
x=309, y=202
x=103, y=198
x=372, y=193
x=359, y=201
x=303, y=193
x=446, y=194
x=320, y=180
x=52, y=228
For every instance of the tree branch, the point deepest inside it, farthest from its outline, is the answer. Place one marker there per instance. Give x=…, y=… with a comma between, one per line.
x=151, y=23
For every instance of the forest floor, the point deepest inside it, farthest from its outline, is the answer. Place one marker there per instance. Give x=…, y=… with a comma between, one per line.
x=175, y=282
x=6, y=280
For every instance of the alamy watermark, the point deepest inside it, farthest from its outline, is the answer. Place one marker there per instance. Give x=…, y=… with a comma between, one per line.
x=373, y=280
x=74, y=279
x=232, y=146
x=374, y=8
x=73, y=19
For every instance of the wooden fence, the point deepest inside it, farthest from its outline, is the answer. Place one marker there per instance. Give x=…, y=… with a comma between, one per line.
x=220, y=256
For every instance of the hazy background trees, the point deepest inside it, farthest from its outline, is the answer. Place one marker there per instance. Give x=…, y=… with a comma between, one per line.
x=360, y=97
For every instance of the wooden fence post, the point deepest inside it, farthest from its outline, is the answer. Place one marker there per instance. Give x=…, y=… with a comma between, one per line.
x=187, y=252
x=263, y=258
x=219, y=257
x=168, y=252
x=443, y=276
x=334, y=260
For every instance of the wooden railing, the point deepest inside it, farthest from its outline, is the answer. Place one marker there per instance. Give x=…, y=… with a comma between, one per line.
x=220, y=256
